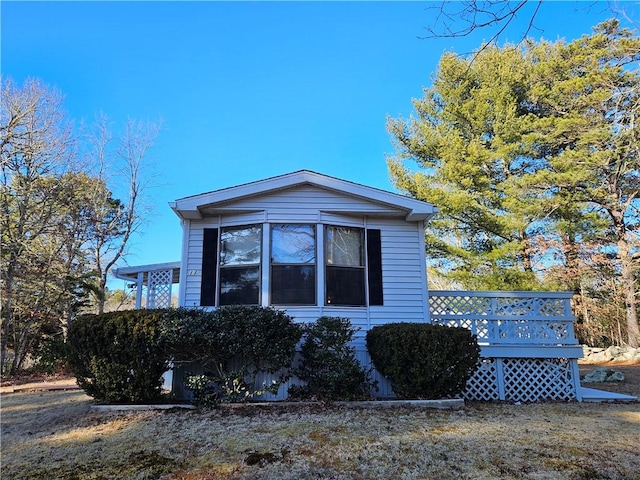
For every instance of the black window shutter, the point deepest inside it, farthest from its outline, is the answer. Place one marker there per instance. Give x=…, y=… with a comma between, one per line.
x=209, y=264
x=374, y=263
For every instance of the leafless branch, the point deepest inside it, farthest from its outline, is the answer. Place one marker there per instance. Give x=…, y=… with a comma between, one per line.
x=475, y=15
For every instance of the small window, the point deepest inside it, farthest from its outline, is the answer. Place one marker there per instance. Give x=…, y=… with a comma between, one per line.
x=344, y=266
x=293, y=264
x=240, y=252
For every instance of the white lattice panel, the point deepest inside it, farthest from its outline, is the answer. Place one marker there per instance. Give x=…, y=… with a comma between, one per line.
x=539, y=304
x=523, y=380
x=553, y=307
x=457, y=305
x=159, y=289
x=532, y=306
x=514, y=306
x=534, y=379
x=483, y=385
x=539, y=331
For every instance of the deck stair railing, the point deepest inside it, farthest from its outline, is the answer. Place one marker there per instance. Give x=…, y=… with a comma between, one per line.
x=528, y=345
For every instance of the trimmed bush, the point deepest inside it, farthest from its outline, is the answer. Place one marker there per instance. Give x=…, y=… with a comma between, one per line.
x=423, y=361
x=328, y=364
x=261, y=338
x=119, y=357
x=192, y=336
x=236, y=343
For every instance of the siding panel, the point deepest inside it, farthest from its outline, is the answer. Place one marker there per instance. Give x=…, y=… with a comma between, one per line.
x=400, y=244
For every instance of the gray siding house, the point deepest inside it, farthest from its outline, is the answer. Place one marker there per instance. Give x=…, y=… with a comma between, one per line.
x=309, y=244
x=315, y=245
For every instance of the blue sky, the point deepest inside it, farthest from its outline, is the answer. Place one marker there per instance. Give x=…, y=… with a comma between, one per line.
x=247, y=90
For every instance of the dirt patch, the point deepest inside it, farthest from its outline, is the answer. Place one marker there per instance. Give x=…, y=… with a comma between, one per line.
x=22, y=379
x=39, y=383
x=629, y=386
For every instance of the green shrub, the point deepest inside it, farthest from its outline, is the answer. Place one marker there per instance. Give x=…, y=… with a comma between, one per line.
x=328, y=364
x=119, y=356
x=422, y=360
x=205, y=391
x=261, y=338
x=51, y=355
x=237, y=343
x=192, y=336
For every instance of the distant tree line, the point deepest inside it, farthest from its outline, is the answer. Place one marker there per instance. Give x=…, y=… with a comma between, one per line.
x=532, y=154
x=62, y=227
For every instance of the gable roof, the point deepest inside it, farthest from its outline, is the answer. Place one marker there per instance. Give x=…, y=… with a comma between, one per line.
x=191, y=207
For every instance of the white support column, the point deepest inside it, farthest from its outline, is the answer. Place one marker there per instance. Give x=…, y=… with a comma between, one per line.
x=320, y=267
x=149, y=291
x=139, y=284
x=265, y=265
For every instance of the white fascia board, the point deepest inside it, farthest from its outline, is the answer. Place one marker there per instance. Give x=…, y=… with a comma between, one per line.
x=189, y=207
x=417, y=210
x=185, y=212
x=131, y=273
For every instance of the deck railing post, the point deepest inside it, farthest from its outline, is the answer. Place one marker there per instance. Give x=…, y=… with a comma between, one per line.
x=170, y=286
x=500, y=378
x=494, y=331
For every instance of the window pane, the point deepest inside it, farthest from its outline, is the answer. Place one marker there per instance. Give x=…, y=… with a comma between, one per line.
x=344, y=246
x=293, y=285
x=345, y=286
x=293, y=244
x=240, y=246
x=239, y=286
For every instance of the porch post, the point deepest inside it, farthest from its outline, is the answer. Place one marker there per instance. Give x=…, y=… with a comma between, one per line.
x=139, y=283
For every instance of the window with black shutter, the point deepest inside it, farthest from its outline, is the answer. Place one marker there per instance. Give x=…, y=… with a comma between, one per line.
x=344, y=266
x=240, y=255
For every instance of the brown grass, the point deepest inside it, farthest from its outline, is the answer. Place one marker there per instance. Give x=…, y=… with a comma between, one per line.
x=55, y=435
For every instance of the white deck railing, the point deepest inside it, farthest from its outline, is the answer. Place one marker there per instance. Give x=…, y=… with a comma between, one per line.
x=529, y=349
x=507, y=318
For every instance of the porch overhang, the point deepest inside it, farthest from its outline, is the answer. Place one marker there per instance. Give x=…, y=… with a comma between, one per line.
x=132, y=274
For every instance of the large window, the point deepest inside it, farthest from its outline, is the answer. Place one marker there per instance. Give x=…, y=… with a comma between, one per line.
x=238, y=270
x=293, y=264
x=240, y=253
x=345, y=269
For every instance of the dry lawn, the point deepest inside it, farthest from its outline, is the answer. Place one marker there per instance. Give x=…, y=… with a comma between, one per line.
x=55, y=435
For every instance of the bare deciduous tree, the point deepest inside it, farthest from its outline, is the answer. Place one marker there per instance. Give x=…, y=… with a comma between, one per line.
x=119, y=160
x=35, y=143
x=62, y=228
x=461, y=18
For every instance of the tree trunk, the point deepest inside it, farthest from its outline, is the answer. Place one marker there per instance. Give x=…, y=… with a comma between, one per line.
x=525, y=256
x=102, y=293
x=571, y=264
x=7, y=315
x=629, y=289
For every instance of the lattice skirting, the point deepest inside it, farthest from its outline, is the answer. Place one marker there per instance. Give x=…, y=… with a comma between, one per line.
x=524, y=380
x=511, y=379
